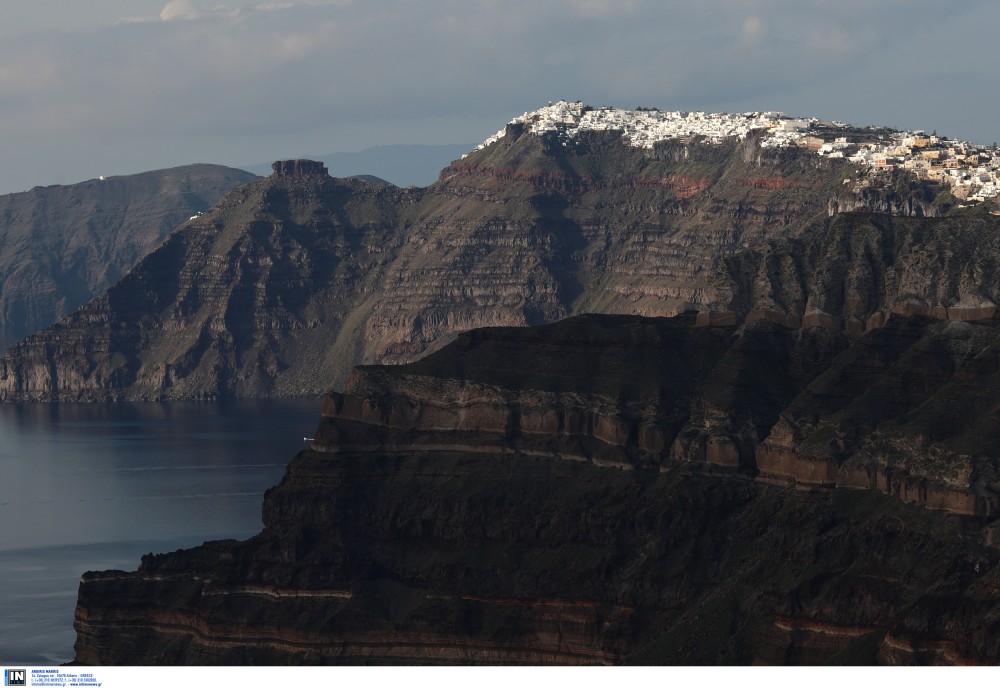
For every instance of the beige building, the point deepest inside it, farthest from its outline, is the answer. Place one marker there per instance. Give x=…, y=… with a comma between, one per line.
x=811, y=143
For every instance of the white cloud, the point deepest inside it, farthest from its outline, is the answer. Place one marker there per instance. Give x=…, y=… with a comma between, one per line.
x=185, y=10
x=179, y=10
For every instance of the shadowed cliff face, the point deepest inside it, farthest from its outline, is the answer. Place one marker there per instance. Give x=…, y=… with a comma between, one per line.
x=612, y=489
x=62, y=245
x=291, y=281
x=854, y=270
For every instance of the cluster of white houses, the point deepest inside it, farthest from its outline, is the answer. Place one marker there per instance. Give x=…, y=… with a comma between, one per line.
x=973, y=172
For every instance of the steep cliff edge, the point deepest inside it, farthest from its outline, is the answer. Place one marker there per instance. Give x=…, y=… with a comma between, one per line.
x=611, y=489
x=62, y=245
x=243, y=300
x=291, y=281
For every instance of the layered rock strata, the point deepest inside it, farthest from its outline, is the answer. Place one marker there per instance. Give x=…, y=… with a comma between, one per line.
x=611, y=489
x=60, y=246
x=291, y=281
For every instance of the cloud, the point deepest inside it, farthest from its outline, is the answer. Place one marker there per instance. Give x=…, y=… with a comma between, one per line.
x=175, y=10
x=179, y=10
x=753, y=28
x=185, y=10
x=294, y=77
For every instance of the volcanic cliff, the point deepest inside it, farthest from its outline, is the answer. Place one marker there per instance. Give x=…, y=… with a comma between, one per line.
x=800, y=465
x=290, y=281
x=62, y=245
x=612, y=489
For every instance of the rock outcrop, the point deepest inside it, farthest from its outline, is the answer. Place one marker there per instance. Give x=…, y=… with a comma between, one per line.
x=60, y=246
x=299, y=168
x=291, y=281
x=612, y=489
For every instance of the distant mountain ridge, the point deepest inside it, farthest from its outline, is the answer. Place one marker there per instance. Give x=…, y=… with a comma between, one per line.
x=402, y=165
x=292, y=280
x=62, y=245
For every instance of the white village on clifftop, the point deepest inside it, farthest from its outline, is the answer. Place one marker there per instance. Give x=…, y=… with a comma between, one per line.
x=972, y=172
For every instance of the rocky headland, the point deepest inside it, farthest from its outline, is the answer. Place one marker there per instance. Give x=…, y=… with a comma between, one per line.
x=60, y=246
x=612, y=489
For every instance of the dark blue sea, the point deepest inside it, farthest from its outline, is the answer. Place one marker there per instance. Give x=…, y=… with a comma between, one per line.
x=92, y=487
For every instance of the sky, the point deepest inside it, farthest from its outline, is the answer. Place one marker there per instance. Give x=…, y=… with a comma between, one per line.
x=108, y=87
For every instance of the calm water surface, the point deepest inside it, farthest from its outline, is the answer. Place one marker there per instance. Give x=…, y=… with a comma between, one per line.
x=91, y=487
